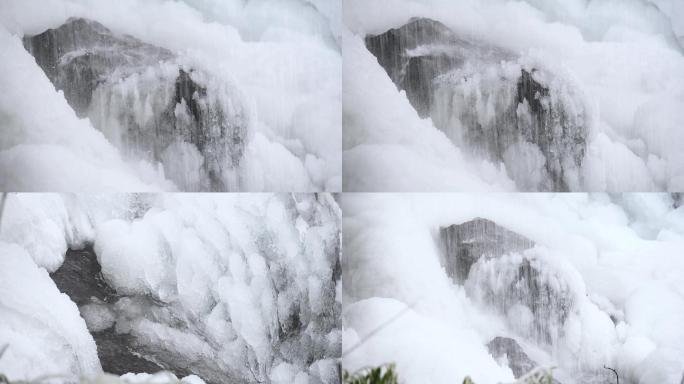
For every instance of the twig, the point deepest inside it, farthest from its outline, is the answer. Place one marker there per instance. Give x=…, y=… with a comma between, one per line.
x=377, y=329
x=617, y=377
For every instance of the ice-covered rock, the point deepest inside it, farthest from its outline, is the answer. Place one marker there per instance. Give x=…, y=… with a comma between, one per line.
x=534, y=296
x=517, y=359
x=496, y=104
x=148, y=102
x=486, y=258
x=233, y=288
x=81, y=279
x=507, y=349
x=464, y=244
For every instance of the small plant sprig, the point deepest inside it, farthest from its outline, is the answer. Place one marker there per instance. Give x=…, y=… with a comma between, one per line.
x=384, y=374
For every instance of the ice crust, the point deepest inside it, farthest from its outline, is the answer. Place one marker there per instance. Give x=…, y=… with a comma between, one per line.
x=231, y=287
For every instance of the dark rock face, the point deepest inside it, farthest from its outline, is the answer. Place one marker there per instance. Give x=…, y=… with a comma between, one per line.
x=527, y=290
x=146, y=103
x=484, y=257
x=82, y=53
x=81, y=279
x=464, y=244
x=119, y=356
x=498, y=102
x=414, y=70
x=518, y=361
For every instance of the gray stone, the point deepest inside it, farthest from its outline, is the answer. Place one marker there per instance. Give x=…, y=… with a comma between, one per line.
x=473, y=255
x=464, y=244
x=518, y=360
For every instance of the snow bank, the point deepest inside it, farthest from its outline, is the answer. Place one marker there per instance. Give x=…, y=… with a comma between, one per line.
x=617, y=258
x=41, y=327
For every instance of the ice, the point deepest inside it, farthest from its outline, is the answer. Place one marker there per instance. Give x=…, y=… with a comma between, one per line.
x=225, y=286
x=98, y=317
x=159, y=378
x=41, y=327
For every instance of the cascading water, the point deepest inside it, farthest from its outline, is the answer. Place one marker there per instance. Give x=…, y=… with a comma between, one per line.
x=539, y=299
x=148, y=103
x=490, y=101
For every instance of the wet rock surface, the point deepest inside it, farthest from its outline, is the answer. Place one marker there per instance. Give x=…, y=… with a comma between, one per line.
x=147, y=102
x=81, y=54
x=140, y=336
x=534, y=297
x=489, y=260
x=518, y=361
x=506, y=347
x=489, y=100
x=464, y=244
x=81, y=279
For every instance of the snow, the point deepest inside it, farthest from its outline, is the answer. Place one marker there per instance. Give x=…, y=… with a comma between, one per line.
x=234, y=286
x=615, y=258
x=159, y=378
x=41, y=327
x=622, y=59
x=281, y=58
